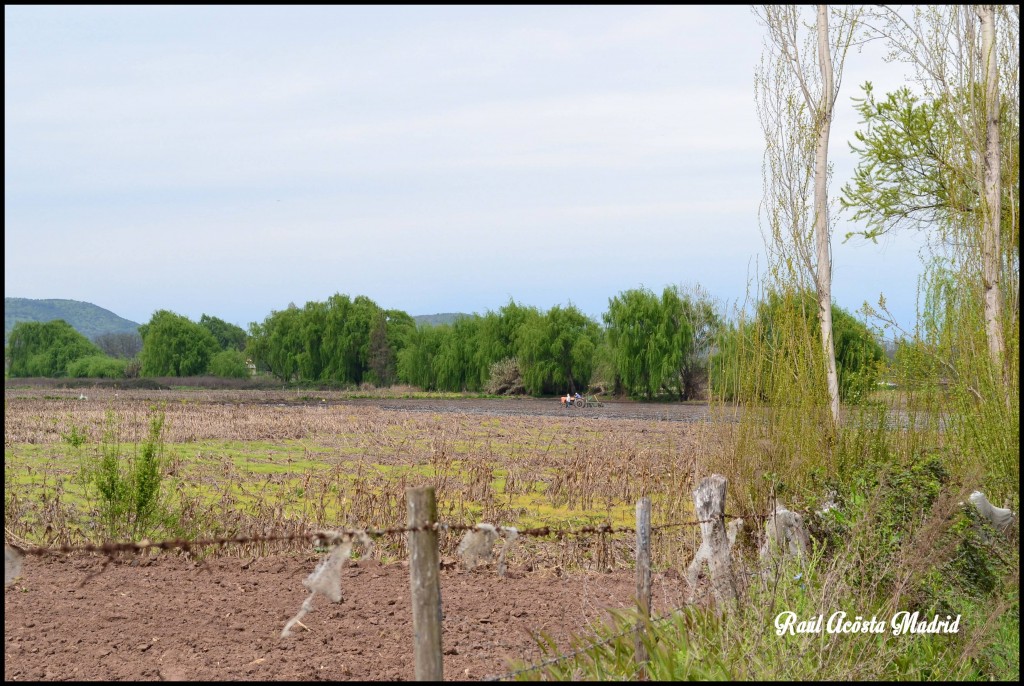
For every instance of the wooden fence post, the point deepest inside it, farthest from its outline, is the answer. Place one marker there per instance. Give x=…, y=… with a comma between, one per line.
x=425, y=583
x=643, y=581
x=709, y=503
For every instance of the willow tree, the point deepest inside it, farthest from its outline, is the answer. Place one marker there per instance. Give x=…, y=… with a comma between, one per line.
x=947, y=152
x=796, y=93
x=556, y=350
x=951, y=156
x=650, y=340
x=46, y=348
x=174, y=345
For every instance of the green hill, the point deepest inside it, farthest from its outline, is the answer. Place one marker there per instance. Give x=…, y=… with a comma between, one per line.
x=86, y=318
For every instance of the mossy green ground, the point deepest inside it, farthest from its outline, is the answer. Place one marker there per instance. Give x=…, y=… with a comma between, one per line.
x=286, y=474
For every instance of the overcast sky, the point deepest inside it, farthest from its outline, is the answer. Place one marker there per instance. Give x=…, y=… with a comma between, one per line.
x=232, y=160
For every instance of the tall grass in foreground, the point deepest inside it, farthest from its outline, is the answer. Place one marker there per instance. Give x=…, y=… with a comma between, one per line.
x=900, y=466
x=901, y=541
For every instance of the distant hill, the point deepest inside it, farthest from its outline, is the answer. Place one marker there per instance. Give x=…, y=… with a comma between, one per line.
x=88, y=319
x=91, y=320
x=435, y=319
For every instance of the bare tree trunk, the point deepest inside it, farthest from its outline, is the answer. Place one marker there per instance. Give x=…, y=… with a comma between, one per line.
x=821, y=228
x=990, y=238
x=798, y=139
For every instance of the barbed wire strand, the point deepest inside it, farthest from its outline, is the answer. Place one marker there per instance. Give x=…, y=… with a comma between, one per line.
x=333, y=536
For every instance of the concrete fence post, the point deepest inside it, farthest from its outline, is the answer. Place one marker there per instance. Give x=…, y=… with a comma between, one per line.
x=709, y=504
x=643, y=581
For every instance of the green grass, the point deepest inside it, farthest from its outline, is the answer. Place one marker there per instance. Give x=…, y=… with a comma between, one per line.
x=271, y=474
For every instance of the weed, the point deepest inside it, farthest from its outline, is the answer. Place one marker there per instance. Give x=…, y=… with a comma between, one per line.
x=76, y=436
x=127, y=490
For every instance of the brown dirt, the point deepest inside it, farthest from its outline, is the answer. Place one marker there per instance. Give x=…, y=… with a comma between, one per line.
x=169, y=618
x=550, y=407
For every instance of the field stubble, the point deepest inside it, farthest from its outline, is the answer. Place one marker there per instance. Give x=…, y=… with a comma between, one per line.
x=258, y=462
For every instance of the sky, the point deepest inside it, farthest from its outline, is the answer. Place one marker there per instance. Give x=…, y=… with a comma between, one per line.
x=232, y=160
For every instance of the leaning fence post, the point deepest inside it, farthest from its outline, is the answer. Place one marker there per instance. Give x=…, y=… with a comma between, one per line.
x=709, y=503
x=643, y=580
x=425, y=583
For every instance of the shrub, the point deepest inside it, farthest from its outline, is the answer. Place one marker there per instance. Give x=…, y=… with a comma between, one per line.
x=505, y=378
x=97, y=367
x=229, y=364
x=128, y=492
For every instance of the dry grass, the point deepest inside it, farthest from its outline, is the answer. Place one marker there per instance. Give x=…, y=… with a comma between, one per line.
x=249, y=461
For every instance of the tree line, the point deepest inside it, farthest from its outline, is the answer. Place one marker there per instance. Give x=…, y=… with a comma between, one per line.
x=676, y=345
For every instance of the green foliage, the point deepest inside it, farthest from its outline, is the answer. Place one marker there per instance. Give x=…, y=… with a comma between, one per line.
x=342, y=341
x=229, y=336
x=603, y=378
x=984, y=412
x=346, y=341
x=913, y=366
x=946, y=365
x=556, y=351
x=705, y=325
x=920, y=166
x=915, y=168
x=415, y=361
x=756, y=360
x=634, y=321
x=346, y=338
x=38, y=349
x=97, y=367
x=229, y=364
x=275, y=343
x=498, y=337
x=127, y=490
x=76, y=436
x=729, y=357
x=860, y=358
x=390, y=333
x=460, y=356
x=902, y=177
x=451, y=362
x=661, y=344
x=173, y=345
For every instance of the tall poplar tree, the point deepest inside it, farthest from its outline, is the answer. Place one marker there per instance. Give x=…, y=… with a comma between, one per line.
x=797, y=91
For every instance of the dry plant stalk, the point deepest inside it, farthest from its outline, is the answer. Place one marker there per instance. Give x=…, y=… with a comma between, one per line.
x=355, y=464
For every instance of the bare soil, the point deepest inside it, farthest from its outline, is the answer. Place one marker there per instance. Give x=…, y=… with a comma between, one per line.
x=170, y=618
x=549, y=407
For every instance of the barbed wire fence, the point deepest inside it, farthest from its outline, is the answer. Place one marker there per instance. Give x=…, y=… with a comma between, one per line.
x=476, y=547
